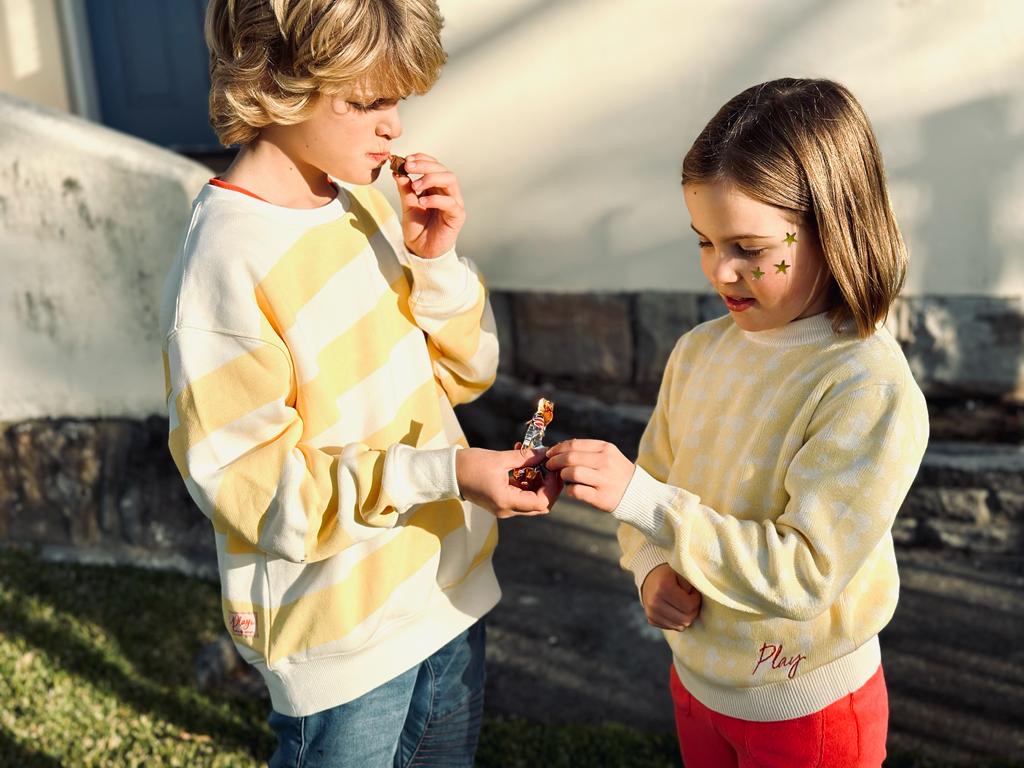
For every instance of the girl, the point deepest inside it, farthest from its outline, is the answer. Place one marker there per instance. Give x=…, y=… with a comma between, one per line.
x=784, y=440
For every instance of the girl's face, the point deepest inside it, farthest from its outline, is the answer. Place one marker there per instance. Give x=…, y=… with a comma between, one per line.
x=768, y=270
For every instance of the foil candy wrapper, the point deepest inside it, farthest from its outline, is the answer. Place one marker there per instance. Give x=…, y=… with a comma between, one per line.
x=531, y=478
x=397, y=163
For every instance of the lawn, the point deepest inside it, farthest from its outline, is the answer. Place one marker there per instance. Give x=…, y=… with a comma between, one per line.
x=97, y=669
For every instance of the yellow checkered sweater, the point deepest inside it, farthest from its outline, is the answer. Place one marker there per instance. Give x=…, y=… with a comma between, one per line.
x=312, y=364
x=769, y=477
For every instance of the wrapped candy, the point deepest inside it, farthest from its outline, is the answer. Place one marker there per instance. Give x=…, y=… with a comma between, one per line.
x=398, y=165
x=530, y=478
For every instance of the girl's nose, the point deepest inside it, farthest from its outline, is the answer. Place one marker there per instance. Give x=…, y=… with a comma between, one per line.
x=726, y=270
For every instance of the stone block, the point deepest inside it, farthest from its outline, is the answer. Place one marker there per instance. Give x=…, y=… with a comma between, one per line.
x=963, y=345
x=573, y=337
x=501, y=305
x=660, y=319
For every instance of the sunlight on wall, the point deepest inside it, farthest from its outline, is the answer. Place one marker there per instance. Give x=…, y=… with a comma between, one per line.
x=22, y=37
x=566, y=121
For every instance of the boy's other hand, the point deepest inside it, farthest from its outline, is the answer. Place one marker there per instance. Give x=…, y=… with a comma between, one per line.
x=595, y=472
x=483, y=479
x=432, y=209
x=669, y=600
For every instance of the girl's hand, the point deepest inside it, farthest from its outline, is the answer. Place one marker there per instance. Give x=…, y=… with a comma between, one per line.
x=432, y=209
x=669, y=600
x=595, y=472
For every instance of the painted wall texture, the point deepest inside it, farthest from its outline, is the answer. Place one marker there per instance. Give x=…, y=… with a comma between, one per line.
x=567, y=121
x=90, y=220
x=31, y=59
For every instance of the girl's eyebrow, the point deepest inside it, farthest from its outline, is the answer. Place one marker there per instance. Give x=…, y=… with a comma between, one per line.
x=745, y=236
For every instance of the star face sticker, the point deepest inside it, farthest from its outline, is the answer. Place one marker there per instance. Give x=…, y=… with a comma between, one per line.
x=757, y=273
x=790, y=238
x=782, y=266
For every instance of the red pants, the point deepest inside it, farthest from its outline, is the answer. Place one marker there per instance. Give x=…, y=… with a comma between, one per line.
x=847, y=734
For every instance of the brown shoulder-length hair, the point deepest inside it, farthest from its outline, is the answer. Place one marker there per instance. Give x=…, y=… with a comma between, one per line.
x=806, y=146
x=271, y=59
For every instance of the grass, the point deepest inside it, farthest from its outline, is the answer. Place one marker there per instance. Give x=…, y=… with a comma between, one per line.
x=96, y=669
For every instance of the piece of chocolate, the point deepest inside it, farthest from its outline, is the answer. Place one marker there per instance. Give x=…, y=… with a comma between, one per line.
x=398, y=165
x=531, y=478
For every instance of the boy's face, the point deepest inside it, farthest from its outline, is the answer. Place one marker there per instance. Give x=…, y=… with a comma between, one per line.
x=349, y=135
x=768, y=270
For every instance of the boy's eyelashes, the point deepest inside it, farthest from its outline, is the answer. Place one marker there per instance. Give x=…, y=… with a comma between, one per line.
x=740, y=250
x=373, y=105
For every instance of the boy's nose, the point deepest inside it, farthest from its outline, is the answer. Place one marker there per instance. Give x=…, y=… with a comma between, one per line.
x=390, y=125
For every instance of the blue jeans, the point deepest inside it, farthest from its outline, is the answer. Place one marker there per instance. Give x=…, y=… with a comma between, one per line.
x=427, y=716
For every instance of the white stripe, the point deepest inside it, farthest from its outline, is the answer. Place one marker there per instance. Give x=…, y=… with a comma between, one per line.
x=406, y=369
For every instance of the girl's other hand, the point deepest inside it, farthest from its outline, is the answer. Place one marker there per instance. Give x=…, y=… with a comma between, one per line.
x=669, y=600
x=595, y=472
x=432, y=209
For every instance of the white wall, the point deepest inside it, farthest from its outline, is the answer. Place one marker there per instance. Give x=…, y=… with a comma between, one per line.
x=567, y=121
x=31, y=59
x=90, y=220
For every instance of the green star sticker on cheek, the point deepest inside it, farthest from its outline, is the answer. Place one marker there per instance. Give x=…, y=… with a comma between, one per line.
x=782, y=266
x=757, y=273
x=790, y=238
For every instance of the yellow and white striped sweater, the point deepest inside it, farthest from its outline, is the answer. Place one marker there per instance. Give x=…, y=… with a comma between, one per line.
x=312, y=364
x=769, y=476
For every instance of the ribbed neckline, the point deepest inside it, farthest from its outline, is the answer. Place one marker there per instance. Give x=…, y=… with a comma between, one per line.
x=809, y=330
x=325, y=212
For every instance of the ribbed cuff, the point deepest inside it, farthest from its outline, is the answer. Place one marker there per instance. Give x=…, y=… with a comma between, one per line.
x=645, y=560
x=440, y=281
x=416, y=476
x=642, y=506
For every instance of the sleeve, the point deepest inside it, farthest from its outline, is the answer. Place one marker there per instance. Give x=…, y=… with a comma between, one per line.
x=639, y=554
x=449, y=302
x=845, y=485
x=238, y=442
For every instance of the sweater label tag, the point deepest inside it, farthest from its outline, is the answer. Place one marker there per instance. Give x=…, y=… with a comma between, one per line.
x=242, y=624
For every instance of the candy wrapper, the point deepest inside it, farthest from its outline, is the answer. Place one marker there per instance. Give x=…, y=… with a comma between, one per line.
x=531, y=478
x=397, y=163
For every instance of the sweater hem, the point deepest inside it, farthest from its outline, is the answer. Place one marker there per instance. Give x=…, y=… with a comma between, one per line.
x=788, y=699
x=298, y=689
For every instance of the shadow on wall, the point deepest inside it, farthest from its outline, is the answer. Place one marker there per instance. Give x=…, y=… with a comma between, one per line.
x=967, y=344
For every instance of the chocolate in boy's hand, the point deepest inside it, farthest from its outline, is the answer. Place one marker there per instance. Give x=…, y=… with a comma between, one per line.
x=398, y=165
x=531, y=478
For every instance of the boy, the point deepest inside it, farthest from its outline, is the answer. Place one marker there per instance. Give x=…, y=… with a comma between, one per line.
x=314, y=345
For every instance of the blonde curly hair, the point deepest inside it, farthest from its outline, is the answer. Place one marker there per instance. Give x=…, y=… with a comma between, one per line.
x=271, y=59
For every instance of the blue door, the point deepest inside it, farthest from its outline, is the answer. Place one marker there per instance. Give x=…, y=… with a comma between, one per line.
x=151, y=70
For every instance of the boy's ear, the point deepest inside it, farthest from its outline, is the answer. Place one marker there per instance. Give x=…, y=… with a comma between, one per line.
x=338, y=103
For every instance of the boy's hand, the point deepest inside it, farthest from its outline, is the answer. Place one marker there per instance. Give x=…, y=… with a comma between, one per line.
x=483, y=479
x=669, y=600
x=595, y=472
x=432, y=209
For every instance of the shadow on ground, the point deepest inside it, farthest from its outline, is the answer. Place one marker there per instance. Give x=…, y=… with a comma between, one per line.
x=569, y=641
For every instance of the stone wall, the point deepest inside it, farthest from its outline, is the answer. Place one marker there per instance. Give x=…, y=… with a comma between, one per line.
x=106, y=490
x=616, y=344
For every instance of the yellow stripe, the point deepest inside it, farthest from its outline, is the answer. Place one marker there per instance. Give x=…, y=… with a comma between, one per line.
x=330, y=614
x=236, y=389
x=309, y=264
x=354, y=355
x=459, y=338
x=458, y=389
x=415, y=423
